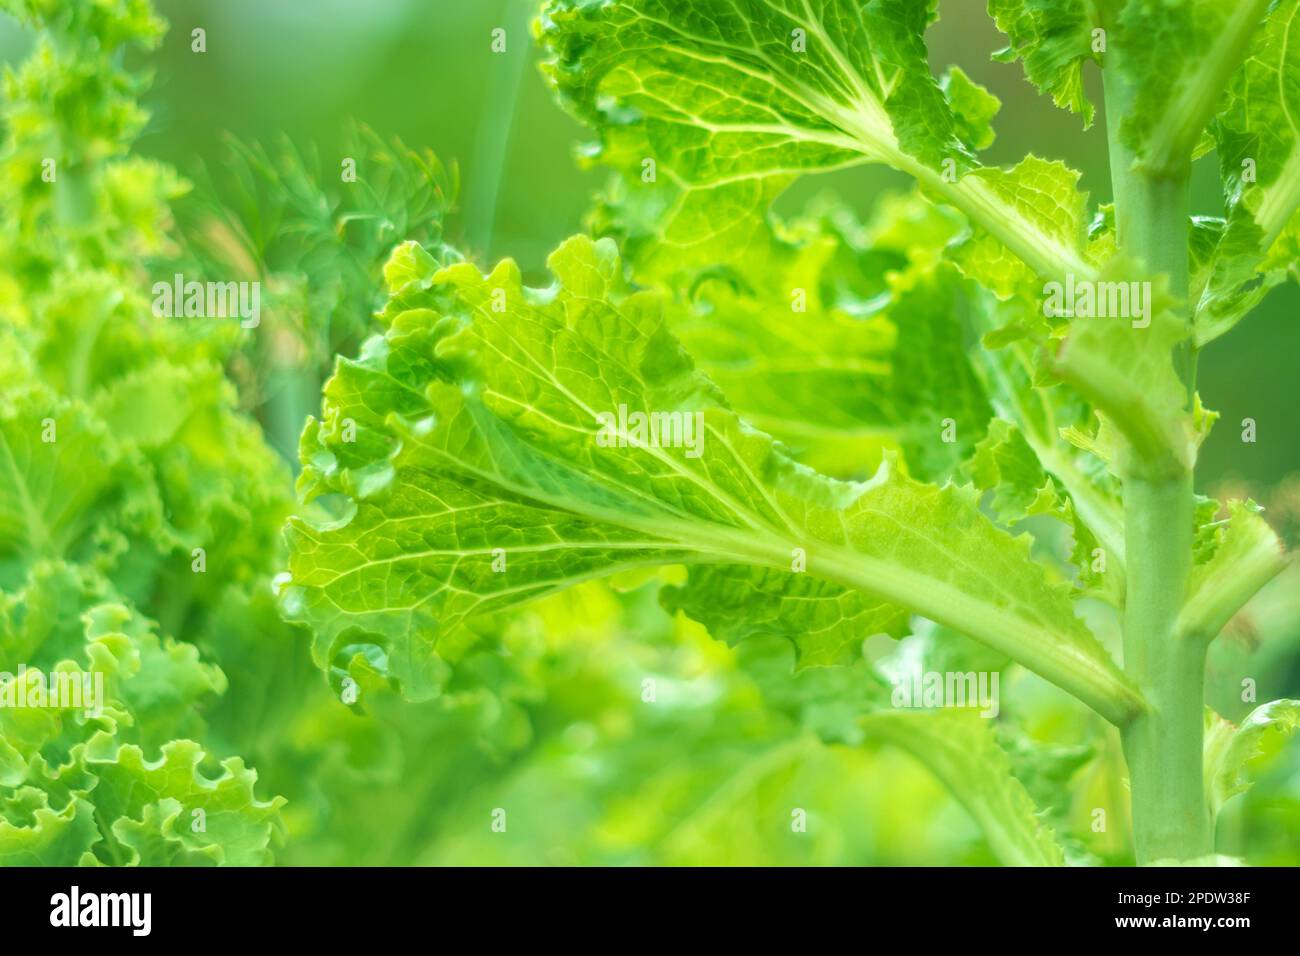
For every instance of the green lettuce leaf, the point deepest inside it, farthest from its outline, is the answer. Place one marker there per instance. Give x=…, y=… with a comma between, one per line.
x=718, y=122
x=1259, y=156
x=869, y=353
x=1125, y=369
x=973, y=109
x=1243, y=555
x=483, y=433
x=1004, y=464
x=1045, y=431
x=1229, y=748
x=123, y=451
x=1053, y=38
x=1177, y=58
x=959, y=747
x=167, y=813
x=1045, y=197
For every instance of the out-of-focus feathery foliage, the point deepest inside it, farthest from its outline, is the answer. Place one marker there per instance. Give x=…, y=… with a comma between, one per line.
x=270, y=214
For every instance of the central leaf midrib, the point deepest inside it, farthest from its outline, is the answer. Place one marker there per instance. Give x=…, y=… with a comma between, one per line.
x=1031, y=641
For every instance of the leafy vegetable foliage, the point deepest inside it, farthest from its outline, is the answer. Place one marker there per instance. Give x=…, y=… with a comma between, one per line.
x=121, y=452
x=1258, y=143
x=478, y=455
x=788, y=434
x=481, y=428
x=728, y=118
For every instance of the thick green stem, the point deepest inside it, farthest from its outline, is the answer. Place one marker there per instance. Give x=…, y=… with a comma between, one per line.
x=1163, y=747
x=1155, y=228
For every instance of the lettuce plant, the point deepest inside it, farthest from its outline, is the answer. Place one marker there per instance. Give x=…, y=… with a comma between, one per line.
x=956, y=436
x=138, y=505
x=972, y=420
